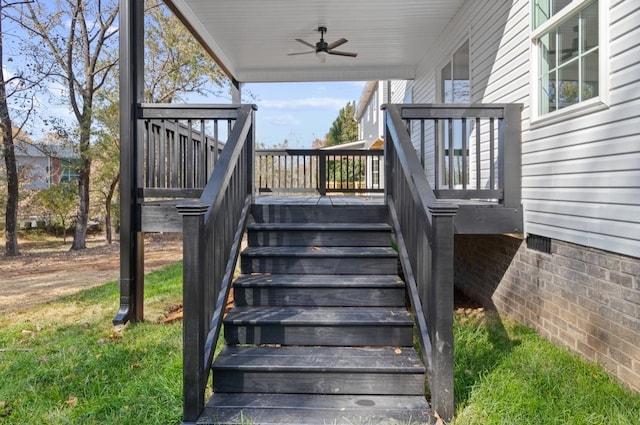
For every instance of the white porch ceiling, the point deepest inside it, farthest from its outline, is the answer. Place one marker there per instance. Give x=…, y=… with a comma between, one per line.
x=250, y=39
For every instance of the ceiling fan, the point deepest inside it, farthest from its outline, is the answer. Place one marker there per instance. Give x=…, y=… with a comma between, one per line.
x=322, y=48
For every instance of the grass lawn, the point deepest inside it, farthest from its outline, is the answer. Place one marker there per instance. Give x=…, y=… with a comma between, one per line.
x=63, y=363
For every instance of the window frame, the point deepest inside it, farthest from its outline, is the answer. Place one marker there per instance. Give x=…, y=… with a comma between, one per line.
x=596, y=103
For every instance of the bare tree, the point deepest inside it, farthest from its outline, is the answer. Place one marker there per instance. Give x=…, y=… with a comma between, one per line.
x=77, y=36
x=18, y=88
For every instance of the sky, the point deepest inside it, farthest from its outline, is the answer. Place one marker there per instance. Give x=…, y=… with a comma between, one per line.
x=299, y=112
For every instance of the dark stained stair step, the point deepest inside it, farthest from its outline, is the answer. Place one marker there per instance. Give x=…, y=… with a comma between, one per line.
x=334, y=326
x=319, y=213
x=319, y=370
x=319, y=260
x=319, y=290
x=319, y=234
x=312, y=409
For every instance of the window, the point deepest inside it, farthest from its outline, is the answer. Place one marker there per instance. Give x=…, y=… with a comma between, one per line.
x=568, y=53
x=455, y=87
x=70, y=170
x=454, y=77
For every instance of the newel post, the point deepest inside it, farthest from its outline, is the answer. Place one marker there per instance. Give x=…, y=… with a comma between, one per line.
x=194, y=330
x=322, y=171
x=440, y=311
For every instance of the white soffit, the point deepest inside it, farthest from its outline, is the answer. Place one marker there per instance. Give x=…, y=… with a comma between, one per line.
x=251, y=38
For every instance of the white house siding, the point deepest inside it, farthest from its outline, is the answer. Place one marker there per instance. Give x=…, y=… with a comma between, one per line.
x=581, y=188
x=581, y=176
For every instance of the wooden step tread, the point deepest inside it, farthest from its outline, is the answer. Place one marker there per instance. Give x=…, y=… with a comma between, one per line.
x=397, y=360
x=318, y=281
x=318, y=316
x=312, y=409
x=320, y=226
x=319, y=252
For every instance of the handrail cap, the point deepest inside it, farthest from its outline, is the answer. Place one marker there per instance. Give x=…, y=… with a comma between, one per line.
x=443, y=208
x=193, y=207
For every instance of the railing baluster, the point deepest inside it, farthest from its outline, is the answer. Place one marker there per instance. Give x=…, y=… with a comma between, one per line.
x=464, y=154
x=492, y=176
x=478, y=157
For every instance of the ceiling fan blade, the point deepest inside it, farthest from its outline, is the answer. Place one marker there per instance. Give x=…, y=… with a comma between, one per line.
x=300, y=53
x=337, y=43
x=313, y=46
x=337, y=53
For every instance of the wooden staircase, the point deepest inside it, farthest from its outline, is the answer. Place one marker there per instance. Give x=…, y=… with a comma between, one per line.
x=319, y=332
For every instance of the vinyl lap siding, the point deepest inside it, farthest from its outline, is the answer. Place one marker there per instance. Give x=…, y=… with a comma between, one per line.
x=581, y=176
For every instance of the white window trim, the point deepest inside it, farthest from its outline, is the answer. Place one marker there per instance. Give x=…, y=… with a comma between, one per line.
x=598, y=103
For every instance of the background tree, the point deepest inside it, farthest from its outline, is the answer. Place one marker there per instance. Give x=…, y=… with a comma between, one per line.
x=16, y=89
x=345, y=127
x=175, y=65
x=59, y=201
x=77, y=36
x=106, y=155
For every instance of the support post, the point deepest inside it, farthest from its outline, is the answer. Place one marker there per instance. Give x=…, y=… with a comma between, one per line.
x=194, y=330
x=236, y=92
x=511, y=156
x=131, y=92
x=322, y=171
x=441, y=309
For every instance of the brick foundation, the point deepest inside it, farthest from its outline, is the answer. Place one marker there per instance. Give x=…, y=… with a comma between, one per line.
x=582, y=298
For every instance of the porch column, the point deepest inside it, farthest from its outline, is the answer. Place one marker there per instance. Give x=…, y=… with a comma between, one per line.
x=131, y=93
x=236, y=92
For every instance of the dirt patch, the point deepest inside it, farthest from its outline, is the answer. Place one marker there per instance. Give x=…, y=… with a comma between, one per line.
x=47, y=270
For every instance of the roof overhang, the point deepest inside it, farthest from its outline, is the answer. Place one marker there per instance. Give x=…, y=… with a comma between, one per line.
x=250, y=40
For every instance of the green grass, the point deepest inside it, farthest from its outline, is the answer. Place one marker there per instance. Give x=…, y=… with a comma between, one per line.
x=506, y=374
x=63, y=363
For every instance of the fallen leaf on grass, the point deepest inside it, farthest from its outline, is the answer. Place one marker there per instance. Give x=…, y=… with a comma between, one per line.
x=5, y=409
x=72, y=401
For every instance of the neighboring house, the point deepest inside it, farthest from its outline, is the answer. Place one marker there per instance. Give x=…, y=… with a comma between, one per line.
x=45, y=165
x=369, y=115
x=575, y=66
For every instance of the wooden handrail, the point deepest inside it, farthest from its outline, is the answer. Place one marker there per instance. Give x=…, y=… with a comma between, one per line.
x=424, y=233
x=212, y=233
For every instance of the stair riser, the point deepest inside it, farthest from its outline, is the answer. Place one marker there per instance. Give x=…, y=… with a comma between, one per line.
x=369, y=335
x=320, y=297
x=323, y=265
x=226, y=381
x=318, y=238
x=319, y=214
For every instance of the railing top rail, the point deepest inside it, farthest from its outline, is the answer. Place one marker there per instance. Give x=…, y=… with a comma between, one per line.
x=454, y=110
x=190, y=111
x=318, y=152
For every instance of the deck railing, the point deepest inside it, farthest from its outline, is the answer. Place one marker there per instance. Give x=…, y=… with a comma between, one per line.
x=319, y=171
x=464, y=149
x=463, y=152
x=180, y=146
x=212, y=230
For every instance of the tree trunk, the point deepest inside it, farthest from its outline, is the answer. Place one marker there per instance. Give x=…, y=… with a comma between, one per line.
x=8, y=151
x=107, y=218
x=82, y=218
